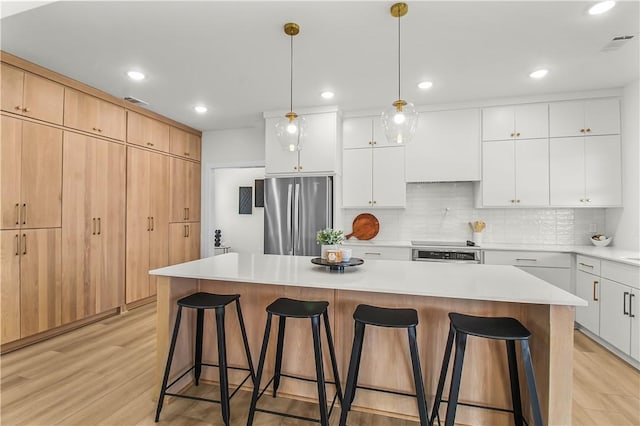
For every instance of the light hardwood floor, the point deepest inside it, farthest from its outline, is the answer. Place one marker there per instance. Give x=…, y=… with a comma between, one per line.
x=102, y=374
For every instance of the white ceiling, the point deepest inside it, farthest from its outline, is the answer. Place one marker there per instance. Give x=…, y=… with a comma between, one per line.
x=234, y=57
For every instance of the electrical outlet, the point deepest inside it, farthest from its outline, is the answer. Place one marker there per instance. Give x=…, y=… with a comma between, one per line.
x=593, y=227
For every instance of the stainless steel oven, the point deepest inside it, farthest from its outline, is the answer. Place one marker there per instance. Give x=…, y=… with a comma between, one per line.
x=448, y=252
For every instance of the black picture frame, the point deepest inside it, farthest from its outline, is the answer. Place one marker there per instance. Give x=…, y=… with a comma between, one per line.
x=259, y=190
x=245, y=201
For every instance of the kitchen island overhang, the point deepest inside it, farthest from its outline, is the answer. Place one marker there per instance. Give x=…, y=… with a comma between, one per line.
x=433, y=289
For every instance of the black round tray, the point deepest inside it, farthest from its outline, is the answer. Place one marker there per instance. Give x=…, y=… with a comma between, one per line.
x=333, y=266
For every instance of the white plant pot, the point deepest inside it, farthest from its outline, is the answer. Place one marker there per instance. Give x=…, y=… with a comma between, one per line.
x=325, y=247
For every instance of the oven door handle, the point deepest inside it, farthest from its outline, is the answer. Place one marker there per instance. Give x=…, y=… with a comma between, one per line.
x=445, y=260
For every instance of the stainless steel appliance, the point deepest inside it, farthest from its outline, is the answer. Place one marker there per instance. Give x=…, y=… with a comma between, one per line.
x=445, y=251
x=295, y=209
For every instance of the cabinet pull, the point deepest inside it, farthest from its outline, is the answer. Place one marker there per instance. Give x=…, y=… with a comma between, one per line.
x=369, y=201
x=582, y=200
x=99, y=226
x=374, y=201
x=188, y=231
x=24, y=243
x=148, y=223
x=595, y=298
x=588, y=130
x=184, y=231
x=513, y=134
x=26, y=110
x=18, y=108
x=581, y=130
x=153, y=224
x=624, y=303
x=93, y=226
x=24, y=214
x=631, y=296
x=149, y=143
x=523, y=259
x=370, y=142
x=299, y=167
x=518, y=134
x=186, y=153
x=517, y=201
x=295, y=167
x=588, y=200
x=17, y=245
x=187, y=213
x=585, y=265
x=17, y=213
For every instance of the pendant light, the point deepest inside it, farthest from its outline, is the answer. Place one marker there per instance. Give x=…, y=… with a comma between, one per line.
x=399, y=121
x=290, y=128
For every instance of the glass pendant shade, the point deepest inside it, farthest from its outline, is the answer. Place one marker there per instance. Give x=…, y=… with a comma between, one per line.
x=290, y=131
x=399, y=122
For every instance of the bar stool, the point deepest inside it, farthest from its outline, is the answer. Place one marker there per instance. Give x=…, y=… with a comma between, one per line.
x=289, y=308
x=383, y=317
x=202, y=301
x=497, y=328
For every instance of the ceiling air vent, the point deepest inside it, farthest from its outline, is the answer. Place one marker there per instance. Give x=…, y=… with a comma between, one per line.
x=616, y=43
x=135, y=100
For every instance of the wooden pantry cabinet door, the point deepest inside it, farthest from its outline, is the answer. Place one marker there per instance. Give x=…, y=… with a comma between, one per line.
x=40, y=280
x=185, y=191
x=43, y=99
x=184, y=242
x=10, y=288
x=10, y=170
x=90, y=114
x=12, y=89
x=185, y=144
x=159, y=211
x=41, y=188
x=145, y=131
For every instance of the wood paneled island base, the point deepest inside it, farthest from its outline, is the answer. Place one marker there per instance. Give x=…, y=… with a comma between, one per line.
x=385, y=358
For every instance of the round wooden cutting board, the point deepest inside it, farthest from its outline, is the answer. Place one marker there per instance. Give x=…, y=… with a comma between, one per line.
x=365, y=227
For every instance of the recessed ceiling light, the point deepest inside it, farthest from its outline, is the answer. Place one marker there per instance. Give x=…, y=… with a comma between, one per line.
x=201, y=109
x=327, y=94
x=601, y=7
x=425, y=84
x=136, y=75
x=539, y=73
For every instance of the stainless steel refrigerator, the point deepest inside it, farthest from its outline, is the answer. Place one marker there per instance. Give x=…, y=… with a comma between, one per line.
x=295, y=209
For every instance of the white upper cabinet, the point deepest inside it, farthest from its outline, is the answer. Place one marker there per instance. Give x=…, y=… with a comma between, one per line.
x=373, y=177
x=585, y=117
x=530, y=121
x=585, y=171
x=445, y=148
x=363, y=132
x=319, y=152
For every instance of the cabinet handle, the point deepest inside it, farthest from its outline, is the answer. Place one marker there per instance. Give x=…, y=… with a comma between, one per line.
x=99, y=226
x=299, y=167
x=585, y=265
x=631, y=296
x=581, y=130
x=513, y=134
x=513, y=201
x=624, y=303
x=148, y=223
x=17, y=245
x=517, y=201
x=374, y=201
x=595, y=298
x=93, y=226
x=526, y=259
x=375, y=143
x=369, y=201
x=17, y=213
x=188, y=231
x=24, y=214
x=153, y=223
x=588, y=130
x=370, y=142
x=588, y=200
x=518, y=134
x=187, y=213
x=295, y=167
x=184, y=231
x=26, y=110
x=582, y=200
x=186, y=153
x=18, y=108
x=149, y=143
x=24, y=243
x=373, y=254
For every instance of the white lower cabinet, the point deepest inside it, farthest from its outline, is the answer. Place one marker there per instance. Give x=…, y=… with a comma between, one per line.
x=553, y=267
x=372, y=252
x=615, y=324
x=588, y=288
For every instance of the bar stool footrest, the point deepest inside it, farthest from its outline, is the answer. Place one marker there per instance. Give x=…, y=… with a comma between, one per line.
x=486, y=407
x=413, y=395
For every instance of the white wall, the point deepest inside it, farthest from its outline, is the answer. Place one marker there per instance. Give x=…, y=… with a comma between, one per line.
x=624, y=223
x=233, y=146
x=244, y=233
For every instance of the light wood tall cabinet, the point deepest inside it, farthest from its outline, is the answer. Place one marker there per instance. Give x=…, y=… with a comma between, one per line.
x=31, y=96
x=93, y=226
x=145, y=131
x=184, y=144
x=147, y=220
x=185, y=191
x=93, y=115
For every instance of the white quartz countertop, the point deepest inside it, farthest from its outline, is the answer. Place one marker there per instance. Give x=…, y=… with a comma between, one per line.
x=460, y=281
x=615, y=254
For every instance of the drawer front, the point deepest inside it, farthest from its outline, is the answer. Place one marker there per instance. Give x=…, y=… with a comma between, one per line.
x=588, y=264
x=528, y=258
x=381, y=253
x=621, y=273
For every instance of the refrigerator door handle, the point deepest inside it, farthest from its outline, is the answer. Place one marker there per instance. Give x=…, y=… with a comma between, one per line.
x=296, y=218
x=289, y=208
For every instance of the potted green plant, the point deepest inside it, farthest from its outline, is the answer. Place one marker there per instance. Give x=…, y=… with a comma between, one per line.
x=330, y=240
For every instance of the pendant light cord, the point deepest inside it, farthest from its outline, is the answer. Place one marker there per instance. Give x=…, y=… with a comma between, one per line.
x=291, y=78
x=399, y=57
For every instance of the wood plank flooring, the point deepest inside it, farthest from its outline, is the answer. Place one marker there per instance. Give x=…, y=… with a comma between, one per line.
x=101, y=374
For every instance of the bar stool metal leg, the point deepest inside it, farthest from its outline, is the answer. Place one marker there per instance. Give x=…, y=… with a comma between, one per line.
x=167, y=369
x=417, y=376
x=263, y=355
x=322, y=393
x=515, y=382
x=443, y=376
x=531, y=383
x=279, y=349
x=198, y=352
x=352, y=375
x=332, y=353
x=222, y=365
x=461, y=343
x=245, y=341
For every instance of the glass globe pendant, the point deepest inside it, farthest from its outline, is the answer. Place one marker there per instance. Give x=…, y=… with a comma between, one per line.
x=290, y=129
x=399, y=121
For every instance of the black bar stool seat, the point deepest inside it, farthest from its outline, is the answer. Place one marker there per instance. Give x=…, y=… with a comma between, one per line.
x=496, y=328
x=202, y=301
x=391, y=318
x=290, y=308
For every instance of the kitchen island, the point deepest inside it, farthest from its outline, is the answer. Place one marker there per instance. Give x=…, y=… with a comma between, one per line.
x=433, y=289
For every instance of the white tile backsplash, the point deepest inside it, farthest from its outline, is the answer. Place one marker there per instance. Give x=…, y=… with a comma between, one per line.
x=442, y=211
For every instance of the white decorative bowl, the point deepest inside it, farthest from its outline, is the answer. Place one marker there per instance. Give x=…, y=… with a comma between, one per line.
x=601, y=243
